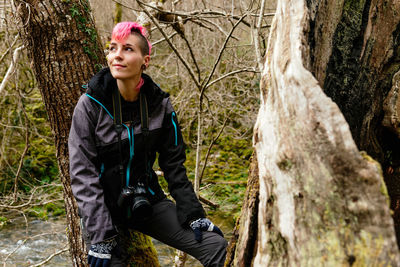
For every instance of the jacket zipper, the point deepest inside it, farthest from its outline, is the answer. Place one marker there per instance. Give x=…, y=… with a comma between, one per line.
x=131, y=141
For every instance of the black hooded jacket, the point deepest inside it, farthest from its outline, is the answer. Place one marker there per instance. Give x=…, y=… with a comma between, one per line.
x=95, y=158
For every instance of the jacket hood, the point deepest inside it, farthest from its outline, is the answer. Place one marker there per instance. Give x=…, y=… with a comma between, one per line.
x=103, y=83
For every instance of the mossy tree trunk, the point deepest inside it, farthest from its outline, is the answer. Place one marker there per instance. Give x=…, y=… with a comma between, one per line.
x=356, y=59
x=244, y=238
x=65, y=50
x=322, y=202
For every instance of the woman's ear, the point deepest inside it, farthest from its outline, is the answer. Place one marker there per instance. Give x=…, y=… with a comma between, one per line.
x=146, y=61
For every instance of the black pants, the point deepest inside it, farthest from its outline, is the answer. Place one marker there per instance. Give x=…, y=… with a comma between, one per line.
x=164, y=226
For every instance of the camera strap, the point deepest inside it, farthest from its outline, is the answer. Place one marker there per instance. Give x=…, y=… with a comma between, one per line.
x=144, y=117
x=116, y=98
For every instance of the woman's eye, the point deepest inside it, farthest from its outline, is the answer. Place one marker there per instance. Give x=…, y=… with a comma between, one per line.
x=128, y=49
x=111, y=49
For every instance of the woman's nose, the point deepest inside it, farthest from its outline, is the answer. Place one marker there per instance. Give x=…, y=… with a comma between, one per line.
x=118, y=53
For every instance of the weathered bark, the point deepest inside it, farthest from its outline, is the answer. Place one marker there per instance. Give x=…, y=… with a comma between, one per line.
x=242, y=244
x=321, y=201
x=65, y=50
x=356, y=46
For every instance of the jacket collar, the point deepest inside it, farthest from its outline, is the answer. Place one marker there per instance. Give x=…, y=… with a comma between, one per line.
x=103, y=83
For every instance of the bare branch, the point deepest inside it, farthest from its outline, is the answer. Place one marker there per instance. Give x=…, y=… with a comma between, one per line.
x=210, y=183
x=30, y=200
x=8, y=49
x=215, y=25
x=20, y=206
x=198, y=147
x=202, y=24
x=126, y=6
x=175, y=2
x=27, y=133
x=184, y=62
x=210, y=146
x=256, y=36
x=208, y=202
x=163, y=39
x=202, y=199
x=50, y=257
x=20, y=244
x=230, y=74
x=11, y=69
x=192, y=55
x=206, y=81
x=195, y=14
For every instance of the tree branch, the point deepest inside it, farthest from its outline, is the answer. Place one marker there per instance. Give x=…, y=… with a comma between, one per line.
x=210, y=146
x=11, y=69
x=8, y=49
x=163, y=39
x=256, y=36
x=208, y=202
x=202, y=199
x=215, y=25
x=192, y=55
x=206, y=81
x=184, y=62
x=230, y=74
x=20, y=244
x=50, y=257
x=25, y=149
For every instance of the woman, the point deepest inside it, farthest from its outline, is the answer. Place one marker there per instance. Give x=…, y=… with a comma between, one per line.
x=111, y=154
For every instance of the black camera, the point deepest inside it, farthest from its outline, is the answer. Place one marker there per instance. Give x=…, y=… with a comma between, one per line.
x=135, y=196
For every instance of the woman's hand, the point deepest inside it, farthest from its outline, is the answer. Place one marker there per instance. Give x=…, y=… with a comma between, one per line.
x=100, y=253
x=203, y=224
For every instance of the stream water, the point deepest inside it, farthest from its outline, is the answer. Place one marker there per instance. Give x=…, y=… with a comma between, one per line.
x=25, y=243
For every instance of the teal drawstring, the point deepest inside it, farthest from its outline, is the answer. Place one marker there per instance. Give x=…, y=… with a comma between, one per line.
x=131, y=154
x=176, y=130
x=98, y=102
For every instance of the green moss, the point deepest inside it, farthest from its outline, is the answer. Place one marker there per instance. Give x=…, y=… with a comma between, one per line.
x=346, y=75
x=38, y=212
x=117, y=13
x=55, y=209
x=140, y=249
x=3, y=221
x=51, y=209
x=383, y=188
x=285, y=164
x=80, y=13
x=340, y=245
x=277, y=245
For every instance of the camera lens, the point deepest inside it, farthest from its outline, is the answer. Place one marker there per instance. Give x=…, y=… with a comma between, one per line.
x=141, y=207
x=126, y=193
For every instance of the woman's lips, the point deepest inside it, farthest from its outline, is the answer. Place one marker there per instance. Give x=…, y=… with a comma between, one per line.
x=118, y=66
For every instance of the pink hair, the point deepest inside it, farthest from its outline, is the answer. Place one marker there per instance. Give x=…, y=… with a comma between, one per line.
x=122, y=30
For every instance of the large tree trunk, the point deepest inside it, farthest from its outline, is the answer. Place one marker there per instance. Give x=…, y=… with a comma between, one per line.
x=242, y=244
x=356, y=58
x=321, y=201
x=65, y=50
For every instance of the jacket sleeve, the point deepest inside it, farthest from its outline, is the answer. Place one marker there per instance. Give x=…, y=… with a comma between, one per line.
x=84, y=174
x=171, y=159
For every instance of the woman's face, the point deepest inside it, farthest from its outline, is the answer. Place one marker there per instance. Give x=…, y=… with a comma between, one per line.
x=125, y=59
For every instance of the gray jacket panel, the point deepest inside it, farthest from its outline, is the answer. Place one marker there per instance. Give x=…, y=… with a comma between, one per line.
x=84, y=173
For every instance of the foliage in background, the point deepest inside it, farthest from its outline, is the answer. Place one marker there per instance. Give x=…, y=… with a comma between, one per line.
x=23, y=118
x=39, y=165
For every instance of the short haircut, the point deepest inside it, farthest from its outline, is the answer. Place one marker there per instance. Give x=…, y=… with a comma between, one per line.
x=122, y=30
